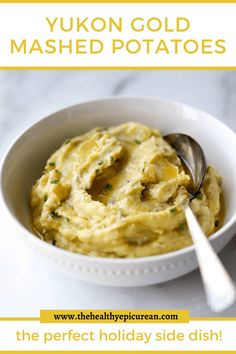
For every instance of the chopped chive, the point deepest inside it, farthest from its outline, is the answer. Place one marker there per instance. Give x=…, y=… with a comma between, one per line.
x=66, y=141
x=52, y=164
x=108, y=186
x=137, y=141
x=54, y=181
x=143, y=169
x=199, y=196
x=112, y=159
x=100, y=163
x=67, y=219
x=45, y=197
x=54, y=214
x=97, y=170
x=181, y=227
x=173, y=210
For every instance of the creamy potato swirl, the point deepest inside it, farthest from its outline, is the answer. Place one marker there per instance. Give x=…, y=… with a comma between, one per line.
x=117, y=192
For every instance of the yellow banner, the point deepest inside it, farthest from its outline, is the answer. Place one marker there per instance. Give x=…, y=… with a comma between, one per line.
x=118, y=352
x=119, y=1
x=114, y=316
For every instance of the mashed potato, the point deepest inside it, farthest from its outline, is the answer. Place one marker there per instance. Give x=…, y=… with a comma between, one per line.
x=117, y=192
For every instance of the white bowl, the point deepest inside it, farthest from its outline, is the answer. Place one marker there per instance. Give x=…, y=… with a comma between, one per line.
x=26, y=158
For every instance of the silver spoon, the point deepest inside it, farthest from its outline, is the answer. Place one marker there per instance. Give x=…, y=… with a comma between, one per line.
x=219, y=288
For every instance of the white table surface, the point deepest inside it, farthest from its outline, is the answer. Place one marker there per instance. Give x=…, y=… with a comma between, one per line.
x=28, y=285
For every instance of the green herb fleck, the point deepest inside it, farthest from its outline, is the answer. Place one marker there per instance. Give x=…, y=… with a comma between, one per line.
x=112, y=159
x=67, y=219
x=108, y=186
x=54, y=181
x=143, y=169
x=54, y=214
x=97, y=170
x=137, y=141
x=52, y=164
x=181, y=227
x=45, y=197
x=67, y=141
x=199, y=196
x=173, y=210
x=100, y=163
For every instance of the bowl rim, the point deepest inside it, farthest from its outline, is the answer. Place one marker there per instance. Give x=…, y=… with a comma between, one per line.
x=103, y=260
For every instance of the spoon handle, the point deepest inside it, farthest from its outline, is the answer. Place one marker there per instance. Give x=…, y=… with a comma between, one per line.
x=219, y=288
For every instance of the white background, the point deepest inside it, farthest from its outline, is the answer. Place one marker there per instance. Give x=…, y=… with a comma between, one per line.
x=8, y=337
x=28, y=21
x=26, y=96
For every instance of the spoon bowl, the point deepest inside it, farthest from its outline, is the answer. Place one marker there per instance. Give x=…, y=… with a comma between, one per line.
x=193, y=158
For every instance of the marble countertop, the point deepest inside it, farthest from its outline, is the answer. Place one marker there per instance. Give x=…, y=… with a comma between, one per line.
x=28, y=285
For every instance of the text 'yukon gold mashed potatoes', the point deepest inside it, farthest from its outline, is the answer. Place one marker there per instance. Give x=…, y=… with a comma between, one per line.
x=117, y=192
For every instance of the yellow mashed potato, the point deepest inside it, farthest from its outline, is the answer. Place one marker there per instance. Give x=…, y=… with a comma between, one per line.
x=117, y=192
